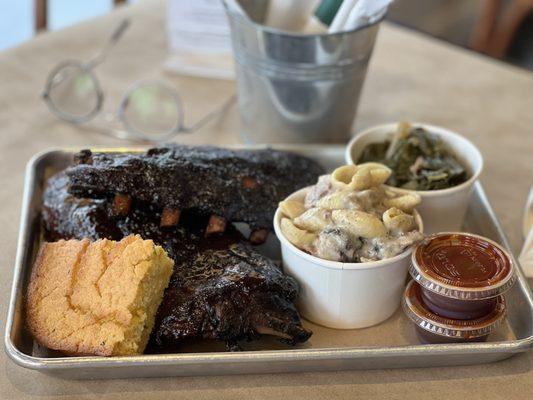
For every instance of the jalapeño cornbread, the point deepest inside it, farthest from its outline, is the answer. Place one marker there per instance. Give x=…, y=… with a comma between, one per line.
x=97, y=297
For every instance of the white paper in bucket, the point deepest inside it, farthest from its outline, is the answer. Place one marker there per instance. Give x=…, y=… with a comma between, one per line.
x=366, y=12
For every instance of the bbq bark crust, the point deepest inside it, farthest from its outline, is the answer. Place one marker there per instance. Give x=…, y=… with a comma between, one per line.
x=68, y=217
x=231, y=294
x=238, y=186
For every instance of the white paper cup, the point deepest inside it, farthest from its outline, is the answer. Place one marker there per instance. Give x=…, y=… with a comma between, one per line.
x=441, y=210
x=344, y=295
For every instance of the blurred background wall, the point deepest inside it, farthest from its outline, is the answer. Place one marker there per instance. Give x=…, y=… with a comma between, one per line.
x=19, y=18
x=499, y=28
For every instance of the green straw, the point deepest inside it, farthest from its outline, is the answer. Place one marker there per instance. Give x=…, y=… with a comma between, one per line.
x=327, y=10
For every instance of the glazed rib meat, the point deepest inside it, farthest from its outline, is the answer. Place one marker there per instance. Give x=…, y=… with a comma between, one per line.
x=221, y=288
x=69, y=217
x=230, y=294
x=235, y=186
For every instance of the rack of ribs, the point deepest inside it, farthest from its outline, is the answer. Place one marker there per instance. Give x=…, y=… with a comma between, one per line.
x=231, y=294
x=229, y=185
x=220, y=289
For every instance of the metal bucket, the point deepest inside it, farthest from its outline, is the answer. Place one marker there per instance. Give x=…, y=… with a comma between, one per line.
x=297, y=88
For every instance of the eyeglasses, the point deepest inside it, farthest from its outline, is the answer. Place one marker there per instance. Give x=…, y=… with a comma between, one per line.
x=149, y=110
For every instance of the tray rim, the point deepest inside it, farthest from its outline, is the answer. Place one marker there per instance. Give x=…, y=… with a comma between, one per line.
x=507, y=348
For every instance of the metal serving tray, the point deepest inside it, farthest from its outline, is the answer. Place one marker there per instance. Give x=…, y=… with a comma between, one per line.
x=391, y=344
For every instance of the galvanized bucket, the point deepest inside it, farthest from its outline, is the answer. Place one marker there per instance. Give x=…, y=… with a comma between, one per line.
x=297, y=88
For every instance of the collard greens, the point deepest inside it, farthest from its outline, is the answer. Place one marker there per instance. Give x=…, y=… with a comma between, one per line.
x=419, y=160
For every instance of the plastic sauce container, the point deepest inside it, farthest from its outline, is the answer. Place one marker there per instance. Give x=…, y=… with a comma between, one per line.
x=461, y=275
x=432, y=328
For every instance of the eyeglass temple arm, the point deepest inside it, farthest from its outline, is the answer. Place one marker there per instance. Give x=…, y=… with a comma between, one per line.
x=115, y=37
x=209, y=117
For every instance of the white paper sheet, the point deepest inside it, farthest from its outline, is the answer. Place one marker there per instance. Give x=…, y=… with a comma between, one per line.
x=199, y=39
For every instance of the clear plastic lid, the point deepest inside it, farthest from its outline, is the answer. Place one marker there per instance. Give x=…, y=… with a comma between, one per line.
x=415, y=310
x=462, y=266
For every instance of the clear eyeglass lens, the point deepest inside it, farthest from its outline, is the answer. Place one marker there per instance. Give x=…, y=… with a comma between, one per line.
x=73, y=91
x=152, y=109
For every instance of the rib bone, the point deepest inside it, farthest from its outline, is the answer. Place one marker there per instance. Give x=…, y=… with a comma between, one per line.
x=265, y=330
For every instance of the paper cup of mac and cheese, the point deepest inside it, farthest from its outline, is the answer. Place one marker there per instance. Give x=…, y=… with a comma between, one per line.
x=344, y=295
x=442, y=210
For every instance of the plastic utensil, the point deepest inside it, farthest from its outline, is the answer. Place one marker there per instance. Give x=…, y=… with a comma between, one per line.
x=342, y=15
x=366, y=12
x=289, y=15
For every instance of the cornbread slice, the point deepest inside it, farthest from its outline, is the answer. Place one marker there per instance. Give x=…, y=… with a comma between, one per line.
x=97, y=297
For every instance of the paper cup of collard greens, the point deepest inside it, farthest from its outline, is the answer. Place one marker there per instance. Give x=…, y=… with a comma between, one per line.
x=440, y=165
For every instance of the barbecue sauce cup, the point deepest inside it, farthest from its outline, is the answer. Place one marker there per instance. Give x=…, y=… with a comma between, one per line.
x=433, y=329
x=461, y=275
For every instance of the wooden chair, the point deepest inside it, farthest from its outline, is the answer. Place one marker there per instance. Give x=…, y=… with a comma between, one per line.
x=41, y=13
x=497, y=27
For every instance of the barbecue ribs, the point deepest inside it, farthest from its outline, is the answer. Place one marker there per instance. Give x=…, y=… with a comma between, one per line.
x=231, y=186
x=220, y=289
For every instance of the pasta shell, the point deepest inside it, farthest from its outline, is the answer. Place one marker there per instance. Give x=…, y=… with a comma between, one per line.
x=291, y=208
x=406, y=202
x=360, y=177
x=369, y=175
x=380, y=175
x=298, y=237
x=314, y=219
x=338, y=200
x=342, y=176
x=359, y=223
x=396, y=221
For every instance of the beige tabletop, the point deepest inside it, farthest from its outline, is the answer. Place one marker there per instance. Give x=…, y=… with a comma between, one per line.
x=411, y=77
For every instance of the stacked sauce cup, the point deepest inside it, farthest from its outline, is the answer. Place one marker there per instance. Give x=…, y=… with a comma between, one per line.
x=458, y=287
